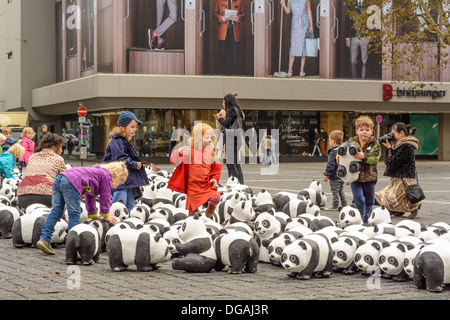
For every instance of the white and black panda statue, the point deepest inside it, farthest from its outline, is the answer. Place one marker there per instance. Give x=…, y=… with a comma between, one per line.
x=197, y=250
x=83, y=242
x=349, y=167
x=237, y=250
x=8, y=215
x=309, y=255
x=141, y=248
x=432, y=267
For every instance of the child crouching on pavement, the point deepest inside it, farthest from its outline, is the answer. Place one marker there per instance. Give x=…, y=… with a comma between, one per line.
x=198, y=171
x=336, y=183
x=68, y=188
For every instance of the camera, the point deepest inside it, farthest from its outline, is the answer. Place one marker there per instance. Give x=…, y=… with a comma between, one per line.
x=388, y=137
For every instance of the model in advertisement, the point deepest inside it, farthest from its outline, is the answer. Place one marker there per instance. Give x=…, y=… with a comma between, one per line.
x=302, y=22
x=162, y=26
x=356, y=42
x=229, y=14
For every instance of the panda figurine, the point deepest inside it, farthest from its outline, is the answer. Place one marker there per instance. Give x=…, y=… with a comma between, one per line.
x=281, y=198
x=432, y=267
x=366, y=256
x=141, y=248
x=141, y=211
x=349, y=215
x=237, y=250
x=409, y=259
x=316, y=197
x=391, y=260
x=309, y=255
x=349, y=167
x=8, y=215
x=379, y=215
x=264, y=202
x=26, y=230
x=280, y=242
x=118, y=210
x=83, y=241
x=297, y=207
x=266, y=225
x=197, y=250
x=344, y=249
x=243, y=212
x=102, y=227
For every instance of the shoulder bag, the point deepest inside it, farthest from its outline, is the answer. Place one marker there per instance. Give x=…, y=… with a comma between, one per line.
x=414, y=192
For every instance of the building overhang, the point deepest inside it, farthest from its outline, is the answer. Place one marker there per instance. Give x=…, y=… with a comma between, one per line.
x=102, y=92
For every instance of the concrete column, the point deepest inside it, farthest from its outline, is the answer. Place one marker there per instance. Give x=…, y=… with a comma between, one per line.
x=444, y=137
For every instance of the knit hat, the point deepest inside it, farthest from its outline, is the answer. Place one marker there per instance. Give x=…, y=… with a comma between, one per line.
x=126, y=117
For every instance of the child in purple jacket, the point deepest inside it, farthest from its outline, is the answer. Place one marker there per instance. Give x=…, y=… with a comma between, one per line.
x=68, y=188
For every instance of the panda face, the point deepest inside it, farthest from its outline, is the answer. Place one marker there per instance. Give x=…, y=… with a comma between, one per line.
x=119, y=210
x=295, y=257
x=172, y=237
x=350, y=215
x=277, y=246
x=7, y=191
x=391, y=259
x=344, y=250
x=266, y=225
x=366, y=256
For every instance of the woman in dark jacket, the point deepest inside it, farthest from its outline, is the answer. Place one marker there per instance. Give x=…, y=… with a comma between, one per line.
x=120, y=149
x=401, y=167
x=232, y=123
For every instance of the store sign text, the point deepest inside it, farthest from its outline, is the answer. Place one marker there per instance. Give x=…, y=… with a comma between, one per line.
x=388, y=93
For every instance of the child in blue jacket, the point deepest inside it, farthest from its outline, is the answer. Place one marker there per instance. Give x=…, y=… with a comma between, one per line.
x=120, y=149
x=336, y=183
x=8, y=160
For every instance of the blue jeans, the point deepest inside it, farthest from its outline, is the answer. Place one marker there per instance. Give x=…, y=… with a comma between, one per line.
x=127, y=197
x=364, y=197
x=63, y=194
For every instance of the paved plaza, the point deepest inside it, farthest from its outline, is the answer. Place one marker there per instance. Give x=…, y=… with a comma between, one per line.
x=28, y=274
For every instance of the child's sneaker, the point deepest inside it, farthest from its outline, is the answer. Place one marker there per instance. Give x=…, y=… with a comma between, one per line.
x=45, y=246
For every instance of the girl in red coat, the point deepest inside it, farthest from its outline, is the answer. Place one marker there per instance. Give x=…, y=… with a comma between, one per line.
x=198, y=171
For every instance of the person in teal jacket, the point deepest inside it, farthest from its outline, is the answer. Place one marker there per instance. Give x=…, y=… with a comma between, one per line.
x=8, y=160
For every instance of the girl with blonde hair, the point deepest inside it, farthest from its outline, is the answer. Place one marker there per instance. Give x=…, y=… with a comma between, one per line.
x=29, y=145
x=68, y=188
x=198, y=171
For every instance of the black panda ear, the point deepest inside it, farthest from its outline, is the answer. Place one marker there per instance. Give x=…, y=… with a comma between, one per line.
x=401, y=247
x=334, y=239
x=354, y=206
x=302, y=245
x=340, y=208
x=376, y=245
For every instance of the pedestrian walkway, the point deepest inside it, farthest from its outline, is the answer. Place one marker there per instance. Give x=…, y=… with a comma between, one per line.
x=29, y=274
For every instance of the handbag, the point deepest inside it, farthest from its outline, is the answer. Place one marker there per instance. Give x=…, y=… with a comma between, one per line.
x=414, y=192
x=312, y=46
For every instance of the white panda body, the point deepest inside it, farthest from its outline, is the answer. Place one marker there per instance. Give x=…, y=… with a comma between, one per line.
x=432, y=267
x=83, y=241
x=237, y=250
x=349, y=167
x=308, y=255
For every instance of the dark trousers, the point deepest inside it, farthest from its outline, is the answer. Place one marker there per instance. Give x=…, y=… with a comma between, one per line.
x=233, y=162
x=228, y=42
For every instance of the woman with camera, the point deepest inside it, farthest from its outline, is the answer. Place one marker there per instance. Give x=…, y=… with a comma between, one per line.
x=401, y=167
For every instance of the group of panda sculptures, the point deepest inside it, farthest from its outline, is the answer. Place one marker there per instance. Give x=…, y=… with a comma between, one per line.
x=286, y=230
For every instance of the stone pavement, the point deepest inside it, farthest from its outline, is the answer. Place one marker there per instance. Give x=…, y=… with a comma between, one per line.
x=28, y=274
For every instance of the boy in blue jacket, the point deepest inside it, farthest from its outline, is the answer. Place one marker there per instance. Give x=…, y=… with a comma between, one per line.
x=120, y=149
x=336, y=184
